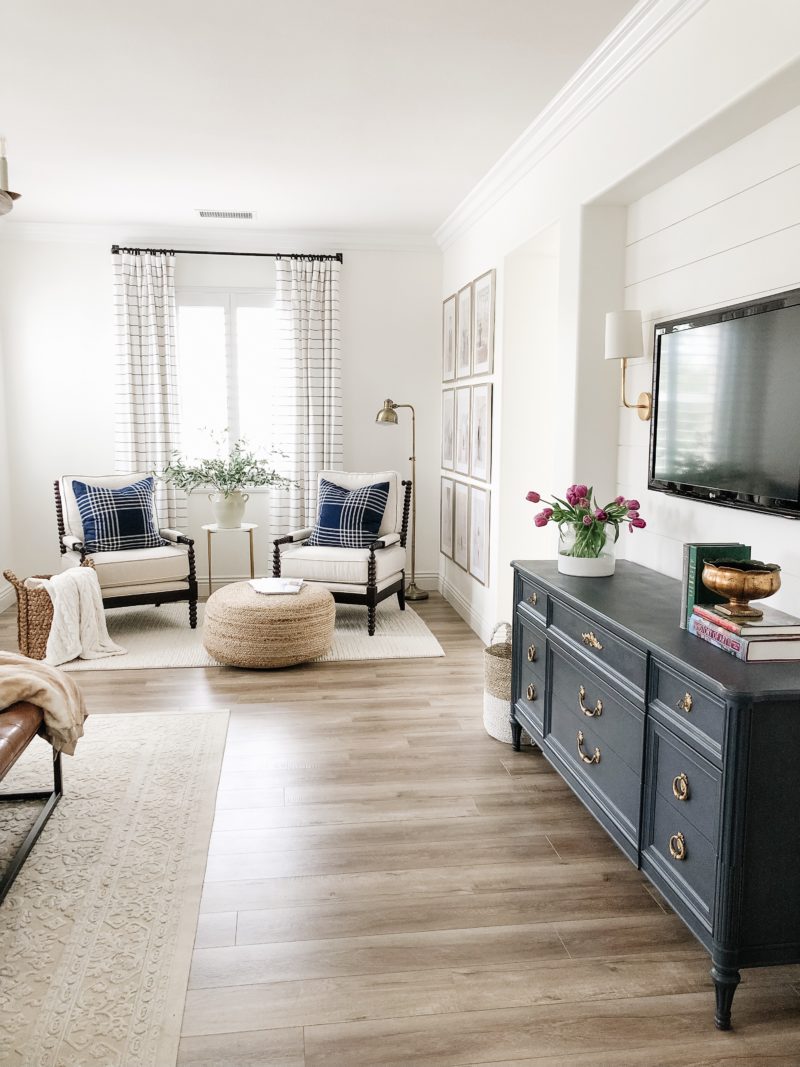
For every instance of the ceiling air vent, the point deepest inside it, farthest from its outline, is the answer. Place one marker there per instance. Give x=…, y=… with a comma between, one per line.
x=207, y=213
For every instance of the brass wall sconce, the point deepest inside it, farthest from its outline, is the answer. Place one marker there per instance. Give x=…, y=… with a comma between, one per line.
x=624, y=341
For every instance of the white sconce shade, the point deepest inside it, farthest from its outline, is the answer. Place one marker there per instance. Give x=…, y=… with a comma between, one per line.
x=624, y=335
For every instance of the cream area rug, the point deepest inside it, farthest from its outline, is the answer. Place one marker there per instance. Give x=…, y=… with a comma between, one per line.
x=161, y=637
x=97, y=932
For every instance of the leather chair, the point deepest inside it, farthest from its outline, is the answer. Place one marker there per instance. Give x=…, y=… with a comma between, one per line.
x=19, y=724
x=141, y=576
x=354, y=575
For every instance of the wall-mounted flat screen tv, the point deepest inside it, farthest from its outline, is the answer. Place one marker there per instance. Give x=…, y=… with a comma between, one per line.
x=726, y=390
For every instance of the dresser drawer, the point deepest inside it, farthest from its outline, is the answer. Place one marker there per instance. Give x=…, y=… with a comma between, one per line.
x=695, y=714
x=601, y=771
x=534, y=598
x=530, y=700
x=615, y=721
x=530, y=655
x=683, y=857
x=686, y=781
x=611, y=655
x=529, y=639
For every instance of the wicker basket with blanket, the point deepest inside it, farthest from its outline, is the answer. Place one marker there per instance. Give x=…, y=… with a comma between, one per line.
x=34, y=614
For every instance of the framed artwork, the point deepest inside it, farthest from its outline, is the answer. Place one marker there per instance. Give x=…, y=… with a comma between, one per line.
x=479, y=534
x=480, y=453
x=448, y=428
x=463, y=402
x=446, y=518
x=464, y=333
x=461, y=525
x=449, y=339
x=483, y=324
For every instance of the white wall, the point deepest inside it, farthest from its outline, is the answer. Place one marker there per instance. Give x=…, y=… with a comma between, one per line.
x=56, y=335
x=6, y=532
x=55, y=317
x=725, y=231
x=530, y=371
x=390, y=330
x=708, y=76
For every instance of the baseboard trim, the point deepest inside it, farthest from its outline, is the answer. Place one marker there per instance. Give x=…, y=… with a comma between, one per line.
x=7, y=598
x=476, y=622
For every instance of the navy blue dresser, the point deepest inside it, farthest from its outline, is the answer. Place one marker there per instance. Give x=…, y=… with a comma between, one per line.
x=688, y=758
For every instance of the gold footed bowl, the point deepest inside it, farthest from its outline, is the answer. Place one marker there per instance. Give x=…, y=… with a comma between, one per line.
x=741, y=581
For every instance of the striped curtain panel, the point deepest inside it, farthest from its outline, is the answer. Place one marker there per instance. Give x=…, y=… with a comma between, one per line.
x=147, y=423
x=307, y=420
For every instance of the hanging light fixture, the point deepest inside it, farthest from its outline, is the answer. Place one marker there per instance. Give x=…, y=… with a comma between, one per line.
x=7, y=198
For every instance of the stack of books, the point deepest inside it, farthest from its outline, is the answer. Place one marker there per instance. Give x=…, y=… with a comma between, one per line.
x=773, y=638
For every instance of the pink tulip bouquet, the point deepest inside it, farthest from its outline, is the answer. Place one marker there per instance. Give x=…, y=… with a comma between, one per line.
x=590, y=523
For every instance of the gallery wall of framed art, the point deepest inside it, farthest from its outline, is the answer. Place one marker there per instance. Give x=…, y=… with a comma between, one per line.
x=468, y=318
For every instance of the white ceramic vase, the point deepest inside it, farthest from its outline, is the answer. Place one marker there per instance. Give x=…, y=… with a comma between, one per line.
x=228, y=508
x=601, y=566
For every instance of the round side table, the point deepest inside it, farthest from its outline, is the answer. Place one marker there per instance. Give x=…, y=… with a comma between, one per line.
x=215, y=528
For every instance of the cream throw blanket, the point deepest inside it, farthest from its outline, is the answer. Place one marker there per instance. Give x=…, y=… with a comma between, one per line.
x=49, y=689
x=79, y=621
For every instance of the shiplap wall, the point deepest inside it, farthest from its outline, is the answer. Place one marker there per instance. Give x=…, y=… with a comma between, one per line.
x=723, y=232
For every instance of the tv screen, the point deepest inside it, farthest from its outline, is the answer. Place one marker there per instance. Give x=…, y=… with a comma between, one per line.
x=727, y=406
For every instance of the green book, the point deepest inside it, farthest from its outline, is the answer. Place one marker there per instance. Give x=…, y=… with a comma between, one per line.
x=694, y=556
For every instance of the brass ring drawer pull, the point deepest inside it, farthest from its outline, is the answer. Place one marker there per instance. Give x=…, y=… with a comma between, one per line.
x=533, y=599
x=594, y=712
x=531, y=653
x=586, y=759
x=677, y=846
x=680, y=786
x=685, y=703
x=531, y=692
x=590, y=640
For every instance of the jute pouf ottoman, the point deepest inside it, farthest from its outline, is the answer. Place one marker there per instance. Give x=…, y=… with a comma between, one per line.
x=244, y=628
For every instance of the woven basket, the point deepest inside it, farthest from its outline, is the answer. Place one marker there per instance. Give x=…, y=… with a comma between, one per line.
x=34, y=614
x=497, y=684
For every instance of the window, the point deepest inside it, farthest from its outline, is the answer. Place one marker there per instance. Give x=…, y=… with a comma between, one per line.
x=226, y=360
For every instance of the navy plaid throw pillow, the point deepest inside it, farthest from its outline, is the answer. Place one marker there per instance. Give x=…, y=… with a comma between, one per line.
x=117, y=519
x=349, y=518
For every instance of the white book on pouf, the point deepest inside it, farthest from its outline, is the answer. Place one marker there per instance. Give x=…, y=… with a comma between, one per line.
x=277, y=585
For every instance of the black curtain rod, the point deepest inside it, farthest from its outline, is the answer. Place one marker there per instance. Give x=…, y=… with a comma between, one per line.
x=116, y=249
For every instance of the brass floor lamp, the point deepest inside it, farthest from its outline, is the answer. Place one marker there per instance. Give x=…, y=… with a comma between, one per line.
x=387, y=416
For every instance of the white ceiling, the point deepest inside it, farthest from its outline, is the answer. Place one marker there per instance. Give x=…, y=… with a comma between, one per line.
x=325, y=114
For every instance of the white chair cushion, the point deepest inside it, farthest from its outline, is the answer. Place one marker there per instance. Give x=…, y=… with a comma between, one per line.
x=142, y=567
x=72, y=515
x=346, y=566
x=393, y=515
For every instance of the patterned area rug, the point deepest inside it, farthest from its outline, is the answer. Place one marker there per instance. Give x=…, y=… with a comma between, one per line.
x=160, y=637
x=96, y=934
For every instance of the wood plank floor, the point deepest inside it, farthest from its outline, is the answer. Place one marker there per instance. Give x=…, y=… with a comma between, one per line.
x=388, y=885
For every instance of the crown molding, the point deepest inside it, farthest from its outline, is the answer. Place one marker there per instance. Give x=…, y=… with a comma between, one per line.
x=226, y=239
x=643, y=30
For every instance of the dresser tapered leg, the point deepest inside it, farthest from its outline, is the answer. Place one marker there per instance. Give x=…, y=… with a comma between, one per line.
x=516, y=735
x=726, y=980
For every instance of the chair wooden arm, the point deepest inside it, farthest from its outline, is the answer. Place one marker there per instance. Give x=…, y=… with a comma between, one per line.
x=176, y=537
x=287, y=539
x=295, y=535
x=73, y=544
x=385, y=542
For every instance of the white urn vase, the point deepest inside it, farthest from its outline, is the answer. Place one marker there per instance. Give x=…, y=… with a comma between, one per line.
x=228, y=508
